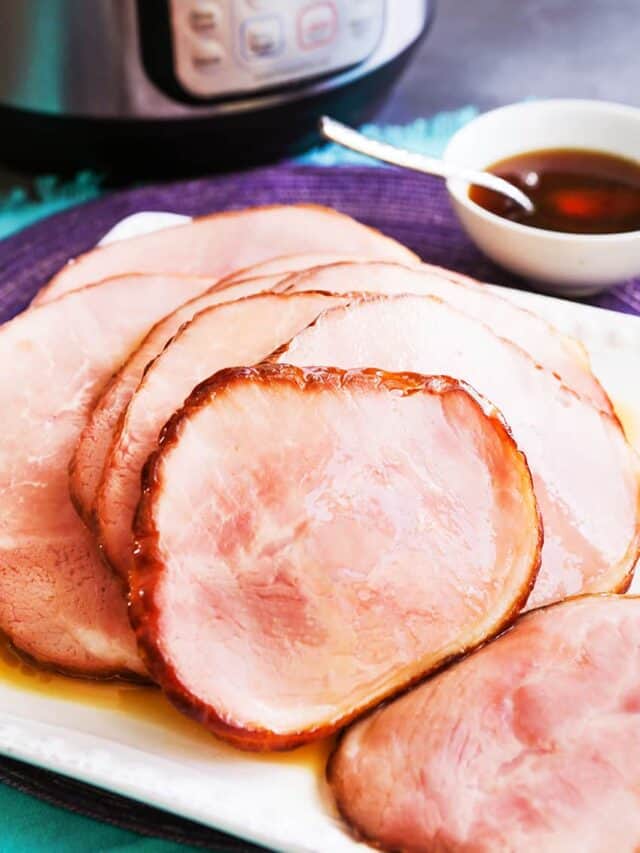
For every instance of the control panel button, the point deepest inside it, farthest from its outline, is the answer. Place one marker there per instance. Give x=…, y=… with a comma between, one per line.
x=229, y=47
x=260, y=5
x=205, y=19
x=317, y=25
x=206, y=59
x=361, y=8
x=363, y=18
x=262, y=38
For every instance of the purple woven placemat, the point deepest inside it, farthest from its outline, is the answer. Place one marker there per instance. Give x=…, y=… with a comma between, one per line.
x=413, y=209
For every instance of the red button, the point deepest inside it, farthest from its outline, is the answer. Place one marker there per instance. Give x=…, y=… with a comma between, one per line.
x=317, y=25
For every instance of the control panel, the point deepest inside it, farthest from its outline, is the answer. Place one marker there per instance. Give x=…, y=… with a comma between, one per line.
x=227, y=47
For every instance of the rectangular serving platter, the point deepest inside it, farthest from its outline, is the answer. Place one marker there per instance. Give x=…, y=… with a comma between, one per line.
x=129, y=741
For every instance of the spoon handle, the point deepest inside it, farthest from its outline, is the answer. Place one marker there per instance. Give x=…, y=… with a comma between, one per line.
x=335, y=131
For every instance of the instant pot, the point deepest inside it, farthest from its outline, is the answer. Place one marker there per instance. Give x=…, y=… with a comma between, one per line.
x=186, y=85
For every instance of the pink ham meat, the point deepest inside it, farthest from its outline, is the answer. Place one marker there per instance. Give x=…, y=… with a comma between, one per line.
x=545, y=344
x=242, y=332
x=530, y=744
x=215, y=245
x=295, y=566
x=585, y=473
x=58, y=601
x=87, y=463
x=287, y=265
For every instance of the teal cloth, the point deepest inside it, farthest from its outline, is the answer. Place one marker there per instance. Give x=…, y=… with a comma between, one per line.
x=30, y=826
x=26, y=824
x=49, y=195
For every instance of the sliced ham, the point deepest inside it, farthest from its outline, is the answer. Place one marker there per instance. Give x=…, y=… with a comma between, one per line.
x=58, y=601
x=88, y=460
x=242, y=332
x=585, y=473
x=294, y=565
x=215, y=245
x=545, y=344
x=530, y=744
x=287, y=265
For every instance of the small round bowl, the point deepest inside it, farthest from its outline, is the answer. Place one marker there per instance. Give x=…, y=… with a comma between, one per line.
x=561, y=263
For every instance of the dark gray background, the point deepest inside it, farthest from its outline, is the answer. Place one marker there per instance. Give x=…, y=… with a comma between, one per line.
x=491, y=52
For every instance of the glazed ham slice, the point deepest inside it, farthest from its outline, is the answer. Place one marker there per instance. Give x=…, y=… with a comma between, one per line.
x=294, y=565
x=530, y=744
x=287, y=265
x=58, y=601
x=215, y=245
x=242, y=332
x=585, y=473
x=558, y=353
x=88, y=461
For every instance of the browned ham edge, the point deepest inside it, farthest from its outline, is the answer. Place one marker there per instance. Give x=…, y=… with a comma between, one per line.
x=562, y=355
x=216, y=245
x=476, y=458
x=290, y=265
x=586, y=549
x=218, y=336
x=530, y=743
x=87, y=464
x=58, y=601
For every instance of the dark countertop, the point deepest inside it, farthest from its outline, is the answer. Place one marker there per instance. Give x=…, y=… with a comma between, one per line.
x=492, y=52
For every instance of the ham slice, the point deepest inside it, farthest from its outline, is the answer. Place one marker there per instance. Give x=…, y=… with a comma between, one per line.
x=530, y=744
x=215, y=245
x=546, y=345
x=294, y=566
x=58, y=601
x=88, y=461
x=287, y=265
x=585, y=473
x=242, y=332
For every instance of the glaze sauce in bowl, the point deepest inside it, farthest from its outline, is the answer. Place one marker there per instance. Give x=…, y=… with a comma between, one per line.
x=575, y=191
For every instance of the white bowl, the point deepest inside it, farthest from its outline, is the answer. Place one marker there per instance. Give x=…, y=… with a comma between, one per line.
x=567, y=264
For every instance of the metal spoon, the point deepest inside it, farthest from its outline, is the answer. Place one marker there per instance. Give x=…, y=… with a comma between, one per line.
x=335, y=131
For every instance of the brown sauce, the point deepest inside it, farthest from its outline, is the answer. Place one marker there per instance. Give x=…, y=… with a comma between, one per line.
x=574, y=191
x=141, y=702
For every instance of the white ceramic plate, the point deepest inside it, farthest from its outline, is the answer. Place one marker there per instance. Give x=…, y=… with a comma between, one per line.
x=129, y=741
